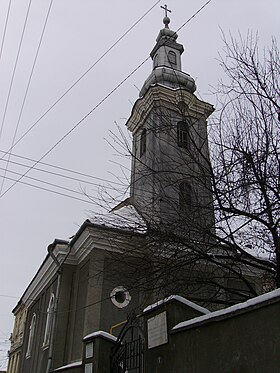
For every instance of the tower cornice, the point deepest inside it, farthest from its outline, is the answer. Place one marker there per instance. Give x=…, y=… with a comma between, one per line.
x=176, y=99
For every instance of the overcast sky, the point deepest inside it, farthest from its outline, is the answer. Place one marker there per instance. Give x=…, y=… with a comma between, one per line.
x=76, y=35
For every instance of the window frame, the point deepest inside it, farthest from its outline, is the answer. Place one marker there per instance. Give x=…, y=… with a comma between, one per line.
x=31, y=335
x=49, y=321
x=172, y=58
x=143, y=142
x=183, y=135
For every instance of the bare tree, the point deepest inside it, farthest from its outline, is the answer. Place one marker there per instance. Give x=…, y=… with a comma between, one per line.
x=246, y=150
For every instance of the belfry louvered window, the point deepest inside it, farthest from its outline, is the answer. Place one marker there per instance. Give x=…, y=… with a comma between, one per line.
x=185, y=196
x=143, y=142
x=172, y=57
x=183, y=135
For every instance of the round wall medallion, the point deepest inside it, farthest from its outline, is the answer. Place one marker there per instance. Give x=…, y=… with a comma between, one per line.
x=120, y=297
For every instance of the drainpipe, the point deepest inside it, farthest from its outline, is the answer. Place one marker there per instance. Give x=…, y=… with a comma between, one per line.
x=59, y=272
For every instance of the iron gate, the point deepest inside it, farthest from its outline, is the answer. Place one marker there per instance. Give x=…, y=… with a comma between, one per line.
x=127, y=355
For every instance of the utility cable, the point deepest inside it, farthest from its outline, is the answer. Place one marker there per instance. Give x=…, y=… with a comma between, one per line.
x=59, y=168
x=80, y=78
x=96, y=106
x=27, y=89
x=5, y=29
x=194, y=15
x=78, y=123
x=49, y=190
x=72, y=178
x=44, y=182
x=15, y=67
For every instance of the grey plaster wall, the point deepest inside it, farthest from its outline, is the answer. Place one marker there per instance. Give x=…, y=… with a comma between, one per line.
x=79, y=305
x=62, y=345
x=110, y=313
x=37, y=361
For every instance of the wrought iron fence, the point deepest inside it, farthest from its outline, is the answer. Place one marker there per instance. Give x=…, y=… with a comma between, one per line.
x=128, y=357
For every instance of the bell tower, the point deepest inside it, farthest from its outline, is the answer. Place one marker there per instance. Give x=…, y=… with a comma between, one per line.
x=170, y=180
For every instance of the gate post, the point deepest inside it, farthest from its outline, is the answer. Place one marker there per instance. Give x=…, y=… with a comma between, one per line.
x=96, y=352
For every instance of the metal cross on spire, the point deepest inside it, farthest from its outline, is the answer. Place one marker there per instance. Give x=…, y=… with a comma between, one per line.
x=166, y=9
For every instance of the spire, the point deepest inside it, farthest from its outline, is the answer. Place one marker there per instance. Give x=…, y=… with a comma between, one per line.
x=166, y=56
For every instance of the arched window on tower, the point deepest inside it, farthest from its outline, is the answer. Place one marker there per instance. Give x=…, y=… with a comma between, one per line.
x=185, y=196
x=143, y=142
x=156, y=61
x=172, y=58
x=49, y=321
x=31, y=335
x=183, y=135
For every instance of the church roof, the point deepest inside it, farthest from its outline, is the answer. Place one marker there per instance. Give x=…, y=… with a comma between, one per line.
x=167, y=68
x=125, y=218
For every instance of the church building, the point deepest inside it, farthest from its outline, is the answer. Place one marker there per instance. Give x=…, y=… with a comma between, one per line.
x=117, y=264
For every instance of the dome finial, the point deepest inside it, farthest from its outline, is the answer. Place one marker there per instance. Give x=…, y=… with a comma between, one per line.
x=166, y=19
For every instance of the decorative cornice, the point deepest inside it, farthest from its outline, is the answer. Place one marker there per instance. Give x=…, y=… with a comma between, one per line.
x=90, y=238
x=162, y=96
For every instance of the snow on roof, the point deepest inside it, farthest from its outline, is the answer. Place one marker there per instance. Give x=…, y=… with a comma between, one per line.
x=71, y=365
x=179, y=299
x=100, y=333
x=125, y=218
x=229, y=310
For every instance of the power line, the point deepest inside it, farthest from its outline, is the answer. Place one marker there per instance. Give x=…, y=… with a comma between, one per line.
x=8, y=296
x=195, y=14
x=5, y=28
x=77, y=124
x=59, y=168
x=48, y=190
x=96, y=106
x=27, y=89
x=15, y=66
x=45, y=182
x=81, y=77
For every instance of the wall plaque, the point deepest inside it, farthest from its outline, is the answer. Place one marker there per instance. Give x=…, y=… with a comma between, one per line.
x=88, y=368
x=157, y=330
x=89, y=350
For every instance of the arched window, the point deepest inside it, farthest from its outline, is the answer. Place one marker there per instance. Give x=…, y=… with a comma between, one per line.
x=156, y=60
x=31, y=335
x=183, y=135
x=185, y=196
x=143, y=142
x=172, y=57
x=49, y=321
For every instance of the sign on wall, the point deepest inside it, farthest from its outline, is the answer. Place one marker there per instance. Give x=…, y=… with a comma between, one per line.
x=157, y=330
x=89, y=350
x=88, y=368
